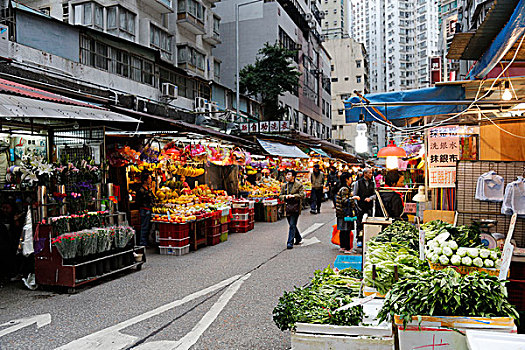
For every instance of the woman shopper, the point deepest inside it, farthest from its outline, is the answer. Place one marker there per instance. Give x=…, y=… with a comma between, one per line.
x=145, y=202
x=345, y=213
x=292, y=194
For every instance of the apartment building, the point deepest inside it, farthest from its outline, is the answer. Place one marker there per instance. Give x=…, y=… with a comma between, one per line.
x=335, y=23
x=296, y=25
x=399, y=36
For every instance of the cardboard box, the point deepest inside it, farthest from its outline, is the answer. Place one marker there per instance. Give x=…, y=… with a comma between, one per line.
x=270, y=213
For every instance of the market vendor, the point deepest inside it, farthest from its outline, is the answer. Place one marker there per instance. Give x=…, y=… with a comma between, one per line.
x=145, y=202
x=184, y=183
x=391, y=198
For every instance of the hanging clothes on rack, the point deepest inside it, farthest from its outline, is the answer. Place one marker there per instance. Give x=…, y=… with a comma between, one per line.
x=490, y=187
x=514, y=199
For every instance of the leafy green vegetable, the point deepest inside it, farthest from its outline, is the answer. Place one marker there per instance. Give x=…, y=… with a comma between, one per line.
x=399, y=232
x=351, y=272
x=464, y=236
x=386, y=257
x=447, y=293
x=317, y=302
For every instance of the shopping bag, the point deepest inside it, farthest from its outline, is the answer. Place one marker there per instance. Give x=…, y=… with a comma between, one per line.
x=335, y=235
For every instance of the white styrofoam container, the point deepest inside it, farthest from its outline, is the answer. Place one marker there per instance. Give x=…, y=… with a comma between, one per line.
x=447, y=333
x=302, y=341
x=482, y=340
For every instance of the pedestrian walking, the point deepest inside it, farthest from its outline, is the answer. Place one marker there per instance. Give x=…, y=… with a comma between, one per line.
x=332, y=183
x=292, y=194
x=317, y=180
x=145, y=201
x=364, y=188
x=345, y=213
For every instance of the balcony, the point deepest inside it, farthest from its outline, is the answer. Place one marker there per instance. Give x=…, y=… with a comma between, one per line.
x=190, y=15
x=212, y=38
x=161, y=6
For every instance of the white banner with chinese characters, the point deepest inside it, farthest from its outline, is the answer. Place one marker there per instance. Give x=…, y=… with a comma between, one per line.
x=443, y=146
x=442, y=177
x=271, y=126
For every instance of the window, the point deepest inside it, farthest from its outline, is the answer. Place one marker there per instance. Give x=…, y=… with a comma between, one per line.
x=340, y=111
x=160, y=40
x=45, y=10
x=93, y=53
x=358, y=79
x=332, y=67
x=188, y=55
x=216, y=24
x=217, y=70
x=194, y=8
x=346, y=78
x=358, y=63
x=335, y=23
x=121, y=22
x=287, y=42
x=335, y=80
x=89, y=14
x=335, y=11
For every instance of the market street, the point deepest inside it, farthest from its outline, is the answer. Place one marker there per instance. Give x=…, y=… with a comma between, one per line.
x=220, y=297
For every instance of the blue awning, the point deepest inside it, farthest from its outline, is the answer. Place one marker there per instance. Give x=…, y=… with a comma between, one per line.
x=278, y=149
x=353, y=106
x=508, y=36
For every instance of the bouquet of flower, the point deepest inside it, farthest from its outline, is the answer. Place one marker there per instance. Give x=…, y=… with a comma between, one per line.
x=67, y=245
x=103, y=239
x=88, y=244
x=123, y=235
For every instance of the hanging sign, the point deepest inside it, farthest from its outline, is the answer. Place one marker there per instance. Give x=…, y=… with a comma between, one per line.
x=442, y=177
x=245, y=127
x=443, y=146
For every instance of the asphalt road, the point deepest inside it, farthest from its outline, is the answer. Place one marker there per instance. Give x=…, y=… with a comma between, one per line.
x=142, y=310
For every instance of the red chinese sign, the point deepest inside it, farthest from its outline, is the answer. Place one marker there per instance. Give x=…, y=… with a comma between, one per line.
x=442, y=177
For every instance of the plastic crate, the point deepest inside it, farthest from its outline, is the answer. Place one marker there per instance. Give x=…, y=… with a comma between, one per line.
x=345, y=261
x=216, y=218
x=239, y=229
x=174, y=231
x=243, y=211
x=224, y=236
x=243, y=204
x=516, y=292
x=167, y=242
x=174, y=250
x=225, y=219
x=241, y=217
x=214, y=230
x=224, y=227
x=214, y=239
x=239, y=224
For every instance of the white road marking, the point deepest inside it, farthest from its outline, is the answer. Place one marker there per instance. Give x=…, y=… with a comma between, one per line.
x=111, y=339
x=40, y=320
x=193, y=336
x=312, y=228
x=309, y=241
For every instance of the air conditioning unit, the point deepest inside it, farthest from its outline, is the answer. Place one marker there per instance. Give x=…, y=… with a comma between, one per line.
x=212, y=110
x=170, y=90
x=200, y=103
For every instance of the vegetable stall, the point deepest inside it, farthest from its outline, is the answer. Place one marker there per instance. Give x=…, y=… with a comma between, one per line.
x=438, y=290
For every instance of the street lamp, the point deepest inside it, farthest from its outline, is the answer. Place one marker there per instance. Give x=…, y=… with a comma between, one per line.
x=237, y=51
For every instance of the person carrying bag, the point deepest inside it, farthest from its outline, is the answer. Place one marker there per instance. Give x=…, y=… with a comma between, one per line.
x=292, y=194
x=345, y=210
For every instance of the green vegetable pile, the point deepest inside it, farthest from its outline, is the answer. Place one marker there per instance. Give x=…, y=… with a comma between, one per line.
x=317, y=302
x=447, y=293
x=465, y=236
x=443, y=252
x=400, y=232
x=385, y=256
x=351, y=272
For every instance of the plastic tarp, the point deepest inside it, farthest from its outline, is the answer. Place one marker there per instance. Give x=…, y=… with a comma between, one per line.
x=320, y=152
x=353, y=106
x=278, y=149
x=509, y=35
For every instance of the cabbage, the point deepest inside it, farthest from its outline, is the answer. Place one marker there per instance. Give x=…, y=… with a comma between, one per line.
x=462, y=252
x=443, y=260
x=453, y=245
x=478, y=262
x=435, y=258
x=467, y=261
x=473, y=252
x=447, y=251
x=497, y=263
x=484, y=253
x=488, y=263
x=429, y=255
x=494, y=255
x=455, y=260
x=433, y=244
x=438, y=250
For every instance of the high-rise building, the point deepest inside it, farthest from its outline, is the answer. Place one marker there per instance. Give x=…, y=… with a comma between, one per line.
x=336, y=18
x=399, y=36
x=296, y=25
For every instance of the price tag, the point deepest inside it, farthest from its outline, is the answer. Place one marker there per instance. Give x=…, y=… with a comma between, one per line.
x=357, y=302
x=508, y=249
x=421, y=244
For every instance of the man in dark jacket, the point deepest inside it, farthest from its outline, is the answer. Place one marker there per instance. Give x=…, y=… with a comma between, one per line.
x=364, y=188
x=317, y=180
x=332, y=182
x=392, y=200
